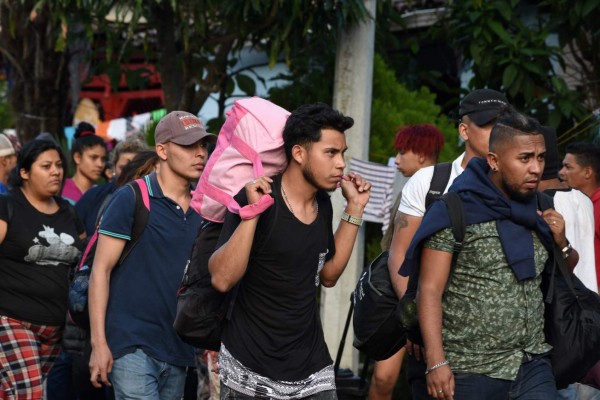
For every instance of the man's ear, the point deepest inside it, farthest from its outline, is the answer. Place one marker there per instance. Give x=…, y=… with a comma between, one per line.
x=588, y=173
x=463, y=131
x=161, y=151
x=299, y=154
x=492, y=160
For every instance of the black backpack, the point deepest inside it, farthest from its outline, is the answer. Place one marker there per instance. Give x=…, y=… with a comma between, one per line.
x=201, y=309
x=78, y=290
x=380, y=320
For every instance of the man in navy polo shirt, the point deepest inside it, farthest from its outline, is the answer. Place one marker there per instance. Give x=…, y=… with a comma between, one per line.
x=133, y=304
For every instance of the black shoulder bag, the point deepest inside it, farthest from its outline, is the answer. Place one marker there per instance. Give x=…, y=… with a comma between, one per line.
x=572, y=317
x=572, y=322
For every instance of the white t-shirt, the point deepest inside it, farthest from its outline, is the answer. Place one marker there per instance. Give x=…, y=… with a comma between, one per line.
x=578, y=213
x=415, y=190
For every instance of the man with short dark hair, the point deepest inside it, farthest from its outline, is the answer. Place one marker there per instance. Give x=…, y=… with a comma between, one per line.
x=581, y=170
x=482, y=316
x=133, y=304
x=273, y=344
x=575, y=207
x=477, y=112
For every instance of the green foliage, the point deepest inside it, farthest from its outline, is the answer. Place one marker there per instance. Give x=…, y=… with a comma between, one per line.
x=198, y=43
x=310, y=77
x=577, y=24
x=514, y=56
x=395, y=106
x=6, y=117
x=307, y=85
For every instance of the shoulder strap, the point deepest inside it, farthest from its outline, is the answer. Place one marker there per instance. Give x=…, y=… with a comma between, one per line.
x=545, y=201
x=140, y=216
x=456, y=212
x=439, y=180
x=102, y=208
x=559, y=264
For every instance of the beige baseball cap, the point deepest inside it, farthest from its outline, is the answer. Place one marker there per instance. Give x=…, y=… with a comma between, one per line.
x=181, y=127
x=6, y=146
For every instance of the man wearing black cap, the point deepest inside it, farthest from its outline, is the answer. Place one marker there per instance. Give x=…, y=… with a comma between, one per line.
x=478, y=112
x=132, y=331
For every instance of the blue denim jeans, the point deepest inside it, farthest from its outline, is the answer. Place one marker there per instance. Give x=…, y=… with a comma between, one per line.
x=534, y=381
x=59, y=384
x=139, y=376
x=579, y=391
x=228, y=393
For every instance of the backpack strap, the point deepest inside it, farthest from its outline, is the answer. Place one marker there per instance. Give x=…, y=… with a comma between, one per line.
x=456, y=212
x=439, y=180
x=140, y=216
x=545, y=201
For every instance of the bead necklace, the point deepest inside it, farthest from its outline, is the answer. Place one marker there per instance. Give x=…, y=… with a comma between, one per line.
x=315, y=203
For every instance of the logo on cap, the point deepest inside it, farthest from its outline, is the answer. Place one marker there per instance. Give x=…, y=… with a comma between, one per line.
x=190, y=122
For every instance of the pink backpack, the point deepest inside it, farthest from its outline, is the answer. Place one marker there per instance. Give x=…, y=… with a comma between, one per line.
x=250, y=145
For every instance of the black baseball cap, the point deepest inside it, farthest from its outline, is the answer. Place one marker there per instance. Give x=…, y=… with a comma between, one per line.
x=482, y=105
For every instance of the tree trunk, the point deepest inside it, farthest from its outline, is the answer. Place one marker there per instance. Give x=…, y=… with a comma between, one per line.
x=168, y=57
x=38, y=74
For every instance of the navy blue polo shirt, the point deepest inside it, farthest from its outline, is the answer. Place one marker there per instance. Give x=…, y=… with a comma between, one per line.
x=142, y=301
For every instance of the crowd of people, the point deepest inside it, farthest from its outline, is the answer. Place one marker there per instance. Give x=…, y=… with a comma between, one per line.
x=481, y=312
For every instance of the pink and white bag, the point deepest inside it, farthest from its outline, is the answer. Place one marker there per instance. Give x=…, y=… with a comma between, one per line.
x=250, y=145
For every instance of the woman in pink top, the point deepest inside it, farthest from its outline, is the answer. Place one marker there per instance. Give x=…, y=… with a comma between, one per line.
x=88, y=153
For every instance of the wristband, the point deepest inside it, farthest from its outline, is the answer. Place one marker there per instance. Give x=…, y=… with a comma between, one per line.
x=253, y=210
x=351, y=219
x=436, y=366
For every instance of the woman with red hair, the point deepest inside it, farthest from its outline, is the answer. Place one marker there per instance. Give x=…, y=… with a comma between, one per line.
x=418, y=146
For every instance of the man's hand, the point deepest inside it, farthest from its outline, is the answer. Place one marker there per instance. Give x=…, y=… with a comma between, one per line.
x=355, y=189
x=101, y=362
x=258, y=188
x=557, y=226
x=440, y=383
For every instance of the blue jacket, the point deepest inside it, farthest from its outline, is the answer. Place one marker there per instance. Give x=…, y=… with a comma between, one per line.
x=483, y=202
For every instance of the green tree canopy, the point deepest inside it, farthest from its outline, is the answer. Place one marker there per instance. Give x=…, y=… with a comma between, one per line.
x=395, y=106
x=195, y=44
x=508, y=46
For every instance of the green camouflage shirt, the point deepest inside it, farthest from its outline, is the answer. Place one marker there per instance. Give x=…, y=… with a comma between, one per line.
x=489, y=318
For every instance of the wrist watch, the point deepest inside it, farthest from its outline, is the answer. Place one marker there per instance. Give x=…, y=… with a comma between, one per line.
x=351, y=219
x=567, y=250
